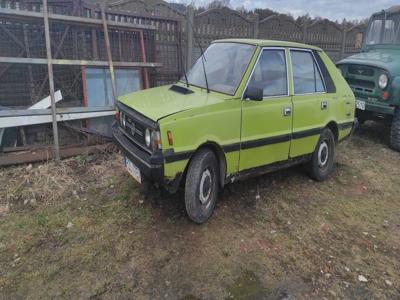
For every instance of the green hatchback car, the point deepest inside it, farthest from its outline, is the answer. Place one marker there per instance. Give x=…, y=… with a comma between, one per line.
x=246, y=107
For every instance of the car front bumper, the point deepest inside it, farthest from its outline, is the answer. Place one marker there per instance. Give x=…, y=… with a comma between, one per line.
x=150, y=166
x=377, y=107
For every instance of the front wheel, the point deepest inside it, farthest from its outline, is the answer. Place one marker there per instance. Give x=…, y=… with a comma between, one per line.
x=201, y=188
x=395, y=130
x=321, y=163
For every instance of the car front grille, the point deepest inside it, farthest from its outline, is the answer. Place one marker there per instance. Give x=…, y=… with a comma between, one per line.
x=363, y=86
x=133, y=129
x=361, y=70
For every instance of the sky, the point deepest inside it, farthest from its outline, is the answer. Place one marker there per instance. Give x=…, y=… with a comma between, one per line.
x=330, y=9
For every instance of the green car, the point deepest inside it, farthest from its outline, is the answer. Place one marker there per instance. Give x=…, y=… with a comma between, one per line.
x=374, y=74
x=246, y=107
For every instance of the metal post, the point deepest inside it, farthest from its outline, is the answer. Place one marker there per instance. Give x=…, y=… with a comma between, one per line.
x=51, y=80
x=109, y=54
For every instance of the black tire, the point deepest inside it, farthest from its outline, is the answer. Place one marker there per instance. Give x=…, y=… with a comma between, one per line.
x=362, y=116
x=321, y=163
x=201, y=188
x=395, y=130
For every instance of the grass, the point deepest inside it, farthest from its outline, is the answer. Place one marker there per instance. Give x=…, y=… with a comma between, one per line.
x=88, y=231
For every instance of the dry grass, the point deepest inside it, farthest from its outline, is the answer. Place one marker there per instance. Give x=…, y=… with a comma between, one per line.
x=91, y=232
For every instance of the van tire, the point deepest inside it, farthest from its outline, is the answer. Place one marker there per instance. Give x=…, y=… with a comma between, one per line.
x=201, y=188
x=322, y=160
x=395, y=130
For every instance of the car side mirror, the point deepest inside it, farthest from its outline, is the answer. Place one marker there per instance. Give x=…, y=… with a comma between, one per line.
x=253, y=93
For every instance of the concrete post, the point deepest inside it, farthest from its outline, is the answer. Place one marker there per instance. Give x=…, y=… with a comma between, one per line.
x=189, y=31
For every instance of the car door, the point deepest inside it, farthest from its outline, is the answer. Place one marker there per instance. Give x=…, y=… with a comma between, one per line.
x=310, y=102
x=267, y=123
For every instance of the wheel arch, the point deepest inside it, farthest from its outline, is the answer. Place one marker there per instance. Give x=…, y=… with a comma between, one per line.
x=219, y=154
x=333, y=126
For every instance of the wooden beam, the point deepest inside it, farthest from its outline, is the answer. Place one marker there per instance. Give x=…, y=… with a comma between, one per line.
x=109, y=54
x=51, y=80
x=15, y=118
x=79, y=20
x=46, y=154
x=71, y=62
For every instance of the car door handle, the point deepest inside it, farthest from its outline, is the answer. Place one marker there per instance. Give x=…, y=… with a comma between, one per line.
x=287, y=111
x=324, y=105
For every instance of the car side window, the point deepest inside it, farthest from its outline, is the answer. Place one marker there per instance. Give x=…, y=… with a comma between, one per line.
x=270, y=73
x=306, y=76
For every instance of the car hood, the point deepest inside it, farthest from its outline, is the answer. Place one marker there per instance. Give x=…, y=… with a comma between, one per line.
x=160, y=102
x=388, y=59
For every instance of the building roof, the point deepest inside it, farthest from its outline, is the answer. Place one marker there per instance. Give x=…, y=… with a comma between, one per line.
x=269, y=43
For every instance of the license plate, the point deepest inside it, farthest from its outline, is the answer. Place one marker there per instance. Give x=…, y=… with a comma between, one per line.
x=360, y=104
x=133, y=170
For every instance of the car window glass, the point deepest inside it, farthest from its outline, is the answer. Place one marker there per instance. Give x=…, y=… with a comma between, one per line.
x=374, y=33
x=270, y=73
x=306, y=76
x=224, y=64
x=389, y=32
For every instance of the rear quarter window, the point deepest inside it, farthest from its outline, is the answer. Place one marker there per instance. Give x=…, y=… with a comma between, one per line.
x=307, y=78
x=329, y=84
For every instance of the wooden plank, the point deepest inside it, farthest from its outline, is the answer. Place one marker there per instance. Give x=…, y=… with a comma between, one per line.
x=71, y=62
x=109, y=55
x=46, y=154
x=73, y=19
x=34, y=119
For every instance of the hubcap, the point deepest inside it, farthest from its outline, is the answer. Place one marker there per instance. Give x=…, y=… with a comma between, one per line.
x=205, y=187
x=323, y=154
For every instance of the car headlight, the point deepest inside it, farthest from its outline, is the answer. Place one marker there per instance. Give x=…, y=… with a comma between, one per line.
x=147, y=137
x=383, y=81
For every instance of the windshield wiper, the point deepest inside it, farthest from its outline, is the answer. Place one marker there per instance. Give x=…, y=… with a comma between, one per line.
x=203, y=57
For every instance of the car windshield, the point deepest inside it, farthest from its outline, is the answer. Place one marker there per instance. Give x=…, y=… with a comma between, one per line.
x=225, y=65
x=383, y=30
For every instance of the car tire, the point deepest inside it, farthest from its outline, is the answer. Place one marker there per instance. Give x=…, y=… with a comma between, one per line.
x=321, y=163
x=362, y=117
x=201, y=188
x=395, y=130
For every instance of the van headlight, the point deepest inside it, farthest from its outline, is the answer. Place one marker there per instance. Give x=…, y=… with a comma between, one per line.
x=383, y=81
x=147, y=137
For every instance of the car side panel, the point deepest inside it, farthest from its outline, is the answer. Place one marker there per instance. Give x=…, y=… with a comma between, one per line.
x=216, y=124
x=345, y=109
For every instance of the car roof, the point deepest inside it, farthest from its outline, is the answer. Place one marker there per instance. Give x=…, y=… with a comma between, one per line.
x=392, y=10
x=269, y=43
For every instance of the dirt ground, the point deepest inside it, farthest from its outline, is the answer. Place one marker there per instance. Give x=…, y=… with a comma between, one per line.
x=84, y=229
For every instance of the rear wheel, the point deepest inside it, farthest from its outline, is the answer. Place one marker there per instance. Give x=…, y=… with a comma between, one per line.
x=321, y=163
x=201, y=188
x=395, y=130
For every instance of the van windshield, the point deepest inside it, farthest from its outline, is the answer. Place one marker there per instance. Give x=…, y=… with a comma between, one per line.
x=225, y=65
x=383, y=31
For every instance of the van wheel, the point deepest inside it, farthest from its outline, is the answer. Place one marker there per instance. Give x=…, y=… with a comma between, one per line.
x=321, y=163
x=201, y=188
x=395, y=130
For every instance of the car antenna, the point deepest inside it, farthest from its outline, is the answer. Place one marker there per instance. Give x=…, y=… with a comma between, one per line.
x=203, y=57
